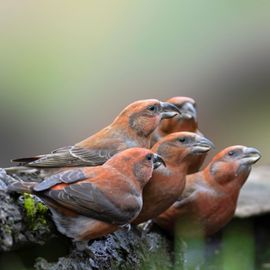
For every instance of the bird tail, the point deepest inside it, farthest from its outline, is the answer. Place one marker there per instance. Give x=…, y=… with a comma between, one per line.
x=28, y=174
x=19, y=169
x=20, y=186
x=23, y=161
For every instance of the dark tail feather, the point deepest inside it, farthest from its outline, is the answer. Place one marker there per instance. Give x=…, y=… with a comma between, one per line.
x=30, y=174
x=25, y=174
x=25, y=160
x=20, y=169
x=20, y=186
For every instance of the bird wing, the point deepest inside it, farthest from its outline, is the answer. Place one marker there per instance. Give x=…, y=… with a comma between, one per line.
x=66, y=177
x=83, y=197
x=70, y=156
x=196, y=185
x=87, y=199
x=188, y=195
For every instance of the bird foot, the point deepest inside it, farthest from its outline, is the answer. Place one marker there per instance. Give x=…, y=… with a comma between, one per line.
x=81, y=245
x=126, y=227
x=84, y=246
x=147, y=226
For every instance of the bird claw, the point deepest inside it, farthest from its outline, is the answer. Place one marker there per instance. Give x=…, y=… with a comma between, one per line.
x=147, y=226
x=84, y=246
x=126, y=227
x=81, y=245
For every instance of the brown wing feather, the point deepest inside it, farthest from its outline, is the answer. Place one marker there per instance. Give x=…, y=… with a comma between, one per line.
x=67, y=177
x=70, y=157
x=25, y=160
x=90, y=198
x=87, y=199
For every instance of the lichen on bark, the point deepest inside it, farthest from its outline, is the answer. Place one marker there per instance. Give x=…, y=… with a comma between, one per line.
x=35, y=212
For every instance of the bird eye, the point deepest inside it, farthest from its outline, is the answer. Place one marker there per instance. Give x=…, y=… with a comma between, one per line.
x=182, y=139
x=231, y=153
x=149, y=157
x=152, y=108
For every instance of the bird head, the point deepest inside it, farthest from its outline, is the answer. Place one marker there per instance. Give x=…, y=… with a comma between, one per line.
x=144, y=116
x=180, y=146
x=186, y=105
x=232, y=162
x=137, y=162
x=186, y=121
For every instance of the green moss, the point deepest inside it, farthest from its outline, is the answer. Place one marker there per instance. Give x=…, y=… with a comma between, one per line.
x=7, y=229
x=29, y=206
x=35, y=212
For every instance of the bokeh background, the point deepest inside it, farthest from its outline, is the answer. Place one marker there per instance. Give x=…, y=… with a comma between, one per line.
x=68, y=67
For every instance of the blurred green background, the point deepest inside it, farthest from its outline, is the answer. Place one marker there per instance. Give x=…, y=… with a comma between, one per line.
x=68, y=67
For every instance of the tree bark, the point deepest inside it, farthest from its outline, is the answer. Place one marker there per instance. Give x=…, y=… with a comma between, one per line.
x=24, y=221
x=20, y=226
x=17, y=227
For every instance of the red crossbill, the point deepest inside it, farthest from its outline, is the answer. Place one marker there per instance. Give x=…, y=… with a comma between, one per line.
x=187, y=121
x=179, y=151
x=89, y=202
x=131, y=128
x=210, y=196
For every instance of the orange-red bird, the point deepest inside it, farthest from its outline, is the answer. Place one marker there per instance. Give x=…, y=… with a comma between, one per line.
x=210, y=196
x=90, y=202
x=186, y=122
x=167, y=183
x=131, y=128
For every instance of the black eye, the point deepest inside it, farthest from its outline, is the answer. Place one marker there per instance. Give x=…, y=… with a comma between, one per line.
x=152, y=108
x=182, y=139
x=149, y=157
x=231, y=153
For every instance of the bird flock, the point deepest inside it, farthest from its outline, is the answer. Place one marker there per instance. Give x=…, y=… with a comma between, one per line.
x=144, y=166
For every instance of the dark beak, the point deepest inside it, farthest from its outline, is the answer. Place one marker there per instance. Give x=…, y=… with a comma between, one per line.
x=168, y=110
x=158, y=160
x=202, y=145
x=251, y=155
x=188, y=111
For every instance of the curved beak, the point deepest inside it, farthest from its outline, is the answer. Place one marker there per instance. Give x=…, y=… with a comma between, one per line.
x=202, y=145
x=169, y=110
x=188, y=111
x=251, y=155
x=158, y=160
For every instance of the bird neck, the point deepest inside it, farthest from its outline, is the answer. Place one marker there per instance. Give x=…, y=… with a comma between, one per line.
x=175, y=166
x=129, y=172
x=168, y=182
x=177, y=124
x=134, y=136
x=175, y=158
x=229, y=179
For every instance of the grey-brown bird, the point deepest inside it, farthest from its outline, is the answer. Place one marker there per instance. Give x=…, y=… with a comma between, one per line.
x=131, y=128
x=90, y=202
